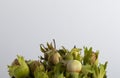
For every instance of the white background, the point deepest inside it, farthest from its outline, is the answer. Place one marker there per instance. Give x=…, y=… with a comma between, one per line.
x=24, y=24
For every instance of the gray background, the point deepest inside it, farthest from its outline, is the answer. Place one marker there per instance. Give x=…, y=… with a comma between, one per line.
x=24, y=24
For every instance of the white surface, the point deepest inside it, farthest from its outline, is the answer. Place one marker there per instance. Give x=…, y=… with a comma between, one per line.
x=24, y=24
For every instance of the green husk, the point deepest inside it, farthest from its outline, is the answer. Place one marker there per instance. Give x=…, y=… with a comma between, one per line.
x=19, y=71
